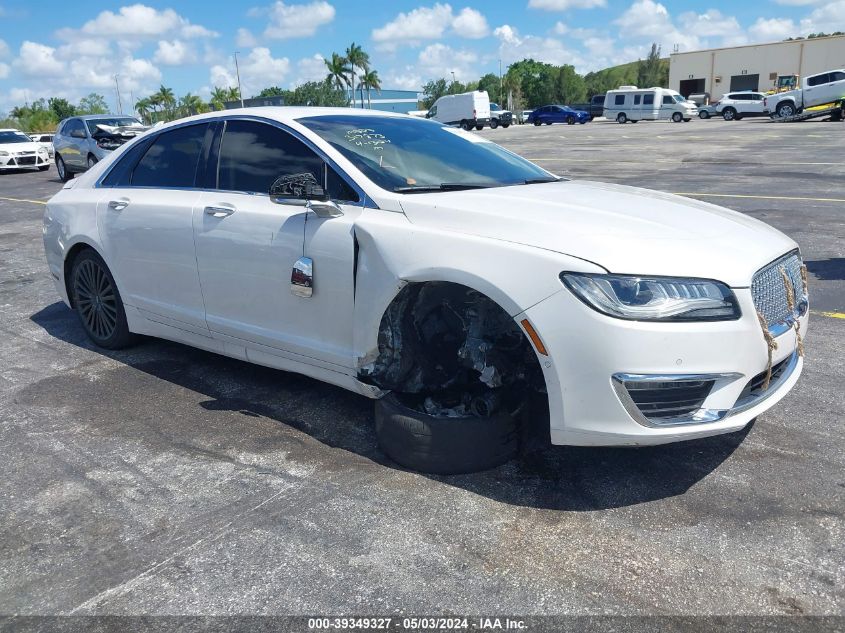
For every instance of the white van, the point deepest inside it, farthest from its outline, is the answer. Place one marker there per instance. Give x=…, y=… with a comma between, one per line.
x=629, y=103
x=469, y=110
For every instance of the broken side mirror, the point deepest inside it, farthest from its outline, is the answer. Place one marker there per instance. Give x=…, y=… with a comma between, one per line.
x=303, y=190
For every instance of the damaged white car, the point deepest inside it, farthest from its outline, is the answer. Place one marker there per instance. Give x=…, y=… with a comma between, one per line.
x=18, y=151
x=81, y=142
x=438, y=273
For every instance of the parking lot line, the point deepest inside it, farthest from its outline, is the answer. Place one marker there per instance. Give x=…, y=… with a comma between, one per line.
x=23, y=200
x=740, y=195
x=832, y=315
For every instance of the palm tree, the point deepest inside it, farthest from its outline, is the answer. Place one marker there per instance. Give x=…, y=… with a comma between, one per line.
x=356, y=57
x=371, y=81
x=143, y=107
x=233, y=94
x=190, y=104
x=338, y=68
x=166, y=99
x=218, y=97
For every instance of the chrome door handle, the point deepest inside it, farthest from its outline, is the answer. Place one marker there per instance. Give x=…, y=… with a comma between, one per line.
x=118, y=205
x=219, y=212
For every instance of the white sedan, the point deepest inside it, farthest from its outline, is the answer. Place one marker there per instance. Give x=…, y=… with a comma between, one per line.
x=18, y=151
x=449, y=279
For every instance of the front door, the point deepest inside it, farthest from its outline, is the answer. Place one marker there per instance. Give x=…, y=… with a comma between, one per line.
x=146, y=225
x=247, y=246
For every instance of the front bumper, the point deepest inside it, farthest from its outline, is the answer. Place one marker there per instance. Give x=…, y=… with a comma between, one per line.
x=24, y=161
x=590, y=354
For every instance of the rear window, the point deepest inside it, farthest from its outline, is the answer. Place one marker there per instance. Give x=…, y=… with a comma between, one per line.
x=172, y=159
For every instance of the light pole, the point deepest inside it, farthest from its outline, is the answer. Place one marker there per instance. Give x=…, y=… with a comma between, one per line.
x=238, y=73
x=453, y=77
x=117, y=88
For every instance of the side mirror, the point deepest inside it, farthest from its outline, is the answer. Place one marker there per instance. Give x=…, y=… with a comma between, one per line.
x=303, y=190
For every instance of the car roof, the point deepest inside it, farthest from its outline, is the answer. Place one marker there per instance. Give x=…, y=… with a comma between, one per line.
x=88, y=117
x=10, y=129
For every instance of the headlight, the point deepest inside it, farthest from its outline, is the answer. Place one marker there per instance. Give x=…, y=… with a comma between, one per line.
x=42, y=150
x=654, y=298
x=4, y=153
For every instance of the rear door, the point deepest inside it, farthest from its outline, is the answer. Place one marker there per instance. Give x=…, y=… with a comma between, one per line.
x=755, y=104
x=146, y=225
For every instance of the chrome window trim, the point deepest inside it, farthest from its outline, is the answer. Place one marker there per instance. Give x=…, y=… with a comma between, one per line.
x=365, y=200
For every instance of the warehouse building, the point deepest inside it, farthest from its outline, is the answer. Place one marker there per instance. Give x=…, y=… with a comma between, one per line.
x=759, y=67
x=403, y=101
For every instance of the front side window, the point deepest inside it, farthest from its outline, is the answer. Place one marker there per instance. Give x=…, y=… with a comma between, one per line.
x=171, y=161
x=406, y=155
x=668, y=100
x=620, y=99
x=254, y=155
x=75, y=125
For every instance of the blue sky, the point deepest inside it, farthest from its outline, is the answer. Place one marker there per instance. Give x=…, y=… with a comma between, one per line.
x=72, y=48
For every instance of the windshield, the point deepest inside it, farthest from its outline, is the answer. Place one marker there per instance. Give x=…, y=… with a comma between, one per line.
x=14, y=137
x=678, y=98
x=404, y=154
x=121, y=121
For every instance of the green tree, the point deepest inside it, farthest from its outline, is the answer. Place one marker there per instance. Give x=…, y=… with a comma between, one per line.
x=61, y=108
x=318, y=93
x=570, y=85
x=491, y=84
x=371, y=81
x=357, y=58
x=650, y=70
x=144, y=107
x=273, y=91
x=191, y=104
x=93, y=104
x=218, y=97
x=432, y=91
x=167, y=100
x=338, y=67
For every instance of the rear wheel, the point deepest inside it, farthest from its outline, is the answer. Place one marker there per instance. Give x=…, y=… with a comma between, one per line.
x=466, y=125
x=92, y=160
x=621, y=118
x=729, y=114
x=97, y=302
x=62, y=170
x=479, y=127
x=704, y=114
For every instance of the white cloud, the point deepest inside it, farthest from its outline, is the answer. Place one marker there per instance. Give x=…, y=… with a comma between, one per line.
x=86, y=47
x=258, y=70
x=39, y=61
x=4, y=70
x=773, y=29
x=711, y=23
x=310, y=69
x=827, y=18
x=174, y=53
x=646, y=19
x=429, y=23
x=287, y=21
x=513, y=47
x=246, y=39
x=471, y=24
x=4, y=49
x=560, y=28
x=137, y=21
x=563, y=5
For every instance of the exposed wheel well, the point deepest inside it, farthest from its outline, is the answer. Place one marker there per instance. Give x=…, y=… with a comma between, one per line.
x=71, y=256
x=449, y=347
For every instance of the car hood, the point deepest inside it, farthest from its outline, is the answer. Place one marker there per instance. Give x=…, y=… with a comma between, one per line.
x=622, y=229
x=14, y=148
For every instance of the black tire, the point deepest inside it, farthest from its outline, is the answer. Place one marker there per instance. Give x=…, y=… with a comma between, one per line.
x=583, y=122
x=729, y=114
x=635, y=120
x=92, y=160
x=687, y=120
x=494, y=123
x=738, y=117
x=479, y=127
x=704, y=114
x=786, y=109
x=504, y=125
x=465, y=125
x=548, y=122
x=570, y=120
x=97, y=302
x=677, y=117
x=43, y=167
x=64, y=173
x=444, y=446
x=621, y=118
x=537, y=122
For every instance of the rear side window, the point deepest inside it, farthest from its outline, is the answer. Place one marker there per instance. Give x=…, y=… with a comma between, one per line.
x=837, y=76
x=648, y=99
x=818, y=80
x=637, y=99
x=253, y=155
x=620, y=100
x=171, y=161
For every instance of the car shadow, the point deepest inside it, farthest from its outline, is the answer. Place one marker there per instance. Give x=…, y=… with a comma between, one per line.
x=543, y=476
x=832, y=269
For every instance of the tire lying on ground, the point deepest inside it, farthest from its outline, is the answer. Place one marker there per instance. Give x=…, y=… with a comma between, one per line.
x=445, y=445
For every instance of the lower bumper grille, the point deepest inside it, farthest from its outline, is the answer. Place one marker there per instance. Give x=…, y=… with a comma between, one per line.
x=669, y=399
x=26, y=160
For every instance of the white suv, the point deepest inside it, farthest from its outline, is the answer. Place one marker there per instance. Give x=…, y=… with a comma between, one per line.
x=735, y=105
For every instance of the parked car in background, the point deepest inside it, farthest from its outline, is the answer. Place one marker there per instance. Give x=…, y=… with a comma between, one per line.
x=499, y=117
x=80, y=142
x=558, y=114
x=468, y=110
x=707, y=111
x=734, y=106
x=816, y=90
x=18, y=151
x=629, y=103
x=595, y=107
x=436, y=272
x=46, y=140
x=524, y=116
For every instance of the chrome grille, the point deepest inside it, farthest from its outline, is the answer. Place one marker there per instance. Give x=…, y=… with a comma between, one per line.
x=769, y=293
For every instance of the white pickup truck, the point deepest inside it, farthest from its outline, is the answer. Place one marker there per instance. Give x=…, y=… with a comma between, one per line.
x=826, y=87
